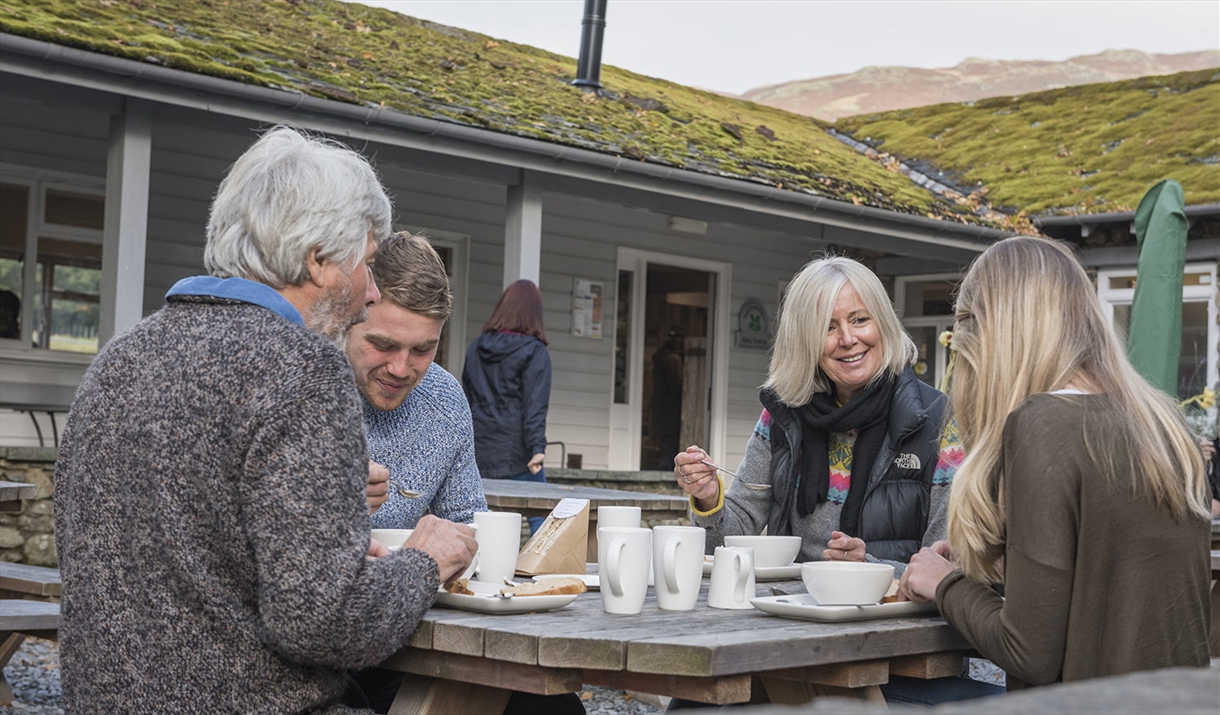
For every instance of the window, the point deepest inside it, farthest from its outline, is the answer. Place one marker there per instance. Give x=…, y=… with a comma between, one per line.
x=1197, y=367
x=925, y=306
x=52, y=303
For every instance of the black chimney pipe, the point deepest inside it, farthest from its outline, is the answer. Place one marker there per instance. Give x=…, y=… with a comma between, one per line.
x=592, y=28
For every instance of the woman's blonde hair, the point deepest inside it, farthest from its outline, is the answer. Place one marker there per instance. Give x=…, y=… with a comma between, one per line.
x=804, y=318
x=1028, y=321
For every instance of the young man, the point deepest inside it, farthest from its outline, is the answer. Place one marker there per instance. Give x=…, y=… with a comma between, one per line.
x=210, y=510
x=416, y=417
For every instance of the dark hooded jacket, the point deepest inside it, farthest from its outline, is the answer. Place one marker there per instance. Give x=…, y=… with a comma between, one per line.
x=507, y=379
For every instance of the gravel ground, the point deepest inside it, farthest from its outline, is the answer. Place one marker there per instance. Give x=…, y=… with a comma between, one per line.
x=33, y=674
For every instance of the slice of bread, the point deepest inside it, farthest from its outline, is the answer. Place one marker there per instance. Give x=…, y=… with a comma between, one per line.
x=547, y=587
x=891, y=595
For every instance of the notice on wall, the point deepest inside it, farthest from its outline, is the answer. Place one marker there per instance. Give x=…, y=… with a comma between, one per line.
x=587, y=308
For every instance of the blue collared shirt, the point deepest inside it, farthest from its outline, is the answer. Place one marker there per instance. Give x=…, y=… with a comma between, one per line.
x=247, y=291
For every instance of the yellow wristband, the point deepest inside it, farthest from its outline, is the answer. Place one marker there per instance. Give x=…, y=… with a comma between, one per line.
x=719, y=500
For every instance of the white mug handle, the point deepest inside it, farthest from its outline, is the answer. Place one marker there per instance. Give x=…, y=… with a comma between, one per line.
x=669, y=564
x=743, y=564
x=613, y=556
x=473, y=568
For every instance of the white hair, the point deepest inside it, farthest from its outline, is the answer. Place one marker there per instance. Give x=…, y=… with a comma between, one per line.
x=287, y=195
x=804, y=317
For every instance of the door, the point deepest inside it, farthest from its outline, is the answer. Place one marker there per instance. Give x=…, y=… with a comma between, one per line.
x=670, y=359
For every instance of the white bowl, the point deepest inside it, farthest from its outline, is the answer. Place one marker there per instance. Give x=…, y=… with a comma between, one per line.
x=846, y=583
x=769, y=551
x=393, y=539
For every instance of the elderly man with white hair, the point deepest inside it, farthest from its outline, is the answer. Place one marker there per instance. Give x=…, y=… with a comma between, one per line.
x=210, y=508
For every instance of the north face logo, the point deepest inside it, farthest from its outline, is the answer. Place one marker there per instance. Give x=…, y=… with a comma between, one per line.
x=907, y=461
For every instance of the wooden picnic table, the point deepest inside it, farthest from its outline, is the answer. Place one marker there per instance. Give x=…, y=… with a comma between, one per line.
x=539, y=498
x=13, y=493
x=460, y=661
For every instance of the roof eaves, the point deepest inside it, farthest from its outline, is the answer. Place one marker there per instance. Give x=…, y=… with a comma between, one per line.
x=25, y=56
x=1197, y=211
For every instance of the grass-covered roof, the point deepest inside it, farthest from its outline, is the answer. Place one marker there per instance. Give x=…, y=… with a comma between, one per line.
x=1086, y=149
x=370, y=56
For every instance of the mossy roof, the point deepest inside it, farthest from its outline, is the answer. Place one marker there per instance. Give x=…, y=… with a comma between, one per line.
x=371, y=56
x=1087, y=149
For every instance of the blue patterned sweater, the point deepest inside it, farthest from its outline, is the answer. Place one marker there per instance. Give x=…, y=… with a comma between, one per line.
x=428, y=446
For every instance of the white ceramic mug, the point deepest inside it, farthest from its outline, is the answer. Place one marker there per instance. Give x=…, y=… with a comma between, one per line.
x=621, y=516
x=615, y=516
x=499, y=537
x=392, y=539
x=677, y=557
x=622, y=565
x=732, y=578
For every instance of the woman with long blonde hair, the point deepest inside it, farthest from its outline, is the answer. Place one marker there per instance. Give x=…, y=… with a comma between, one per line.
x=1082, y=491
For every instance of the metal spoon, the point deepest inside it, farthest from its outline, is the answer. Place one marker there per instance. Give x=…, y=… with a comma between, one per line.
x=717, y=467
x=407, y=492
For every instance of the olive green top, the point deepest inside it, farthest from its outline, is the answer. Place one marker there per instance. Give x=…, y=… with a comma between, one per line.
x=1098, y=580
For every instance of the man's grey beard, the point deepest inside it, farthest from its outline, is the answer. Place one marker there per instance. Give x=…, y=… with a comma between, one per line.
x=328, y=315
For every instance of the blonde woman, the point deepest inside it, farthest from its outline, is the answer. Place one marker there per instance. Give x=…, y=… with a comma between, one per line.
x=848, y=452
x=1082, y=491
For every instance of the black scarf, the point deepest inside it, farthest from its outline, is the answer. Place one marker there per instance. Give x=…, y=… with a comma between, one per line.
x=868, y=411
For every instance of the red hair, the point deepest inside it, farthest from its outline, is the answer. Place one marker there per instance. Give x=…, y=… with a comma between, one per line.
x=519, y=311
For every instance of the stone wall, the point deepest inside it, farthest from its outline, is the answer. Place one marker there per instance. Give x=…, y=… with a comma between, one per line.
x=28, y=536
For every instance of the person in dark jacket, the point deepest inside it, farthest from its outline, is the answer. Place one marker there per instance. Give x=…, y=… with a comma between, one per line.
x=507, y=380
x=852, y=452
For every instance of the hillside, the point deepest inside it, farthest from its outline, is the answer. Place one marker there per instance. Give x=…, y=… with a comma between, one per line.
x=1088, y=149
x=881, y=89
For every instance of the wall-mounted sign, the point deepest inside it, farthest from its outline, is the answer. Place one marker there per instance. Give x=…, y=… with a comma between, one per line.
x=753, y=326
x=587, y=308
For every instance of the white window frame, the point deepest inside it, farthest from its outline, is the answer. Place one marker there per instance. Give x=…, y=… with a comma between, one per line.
x=940, y=323
x=1204, y=292
x=39, y=181
x=455, y=328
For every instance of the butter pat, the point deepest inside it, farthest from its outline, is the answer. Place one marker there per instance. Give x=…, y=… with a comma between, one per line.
x=560, y=544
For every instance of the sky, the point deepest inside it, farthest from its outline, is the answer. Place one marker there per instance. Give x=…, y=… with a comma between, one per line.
x=735, y=45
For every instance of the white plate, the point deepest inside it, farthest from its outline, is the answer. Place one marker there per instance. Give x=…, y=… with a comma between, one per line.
x=803, y=607
x=487, y=599
x=590, y=579
x=791, y=572
x=777, y=573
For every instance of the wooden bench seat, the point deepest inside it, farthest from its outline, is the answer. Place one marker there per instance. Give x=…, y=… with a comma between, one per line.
x=20, y=618
x=27, y=581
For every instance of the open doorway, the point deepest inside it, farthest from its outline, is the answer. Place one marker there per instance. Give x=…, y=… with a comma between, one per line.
x=659, y=294
x=676, y=370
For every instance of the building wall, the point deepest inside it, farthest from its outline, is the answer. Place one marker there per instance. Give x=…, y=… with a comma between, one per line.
x=191, y=150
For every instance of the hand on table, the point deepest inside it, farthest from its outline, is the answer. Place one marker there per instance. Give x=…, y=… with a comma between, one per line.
x=535, y=464
x=696, y=478
x=378, y=489
x=842, y=547
x=451, y=545
x=928, y=567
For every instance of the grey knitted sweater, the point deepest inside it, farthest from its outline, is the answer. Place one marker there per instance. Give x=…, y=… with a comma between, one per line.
x=212, y=526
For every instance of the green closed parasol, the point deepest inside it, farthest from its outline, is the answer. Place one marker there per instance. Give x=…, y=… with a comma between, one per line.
x=1154, y=338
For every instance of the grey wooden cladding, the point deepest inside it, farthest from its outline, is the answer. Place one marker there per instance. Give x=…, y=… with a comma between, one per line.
x=18, y=615
x=33, y=580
